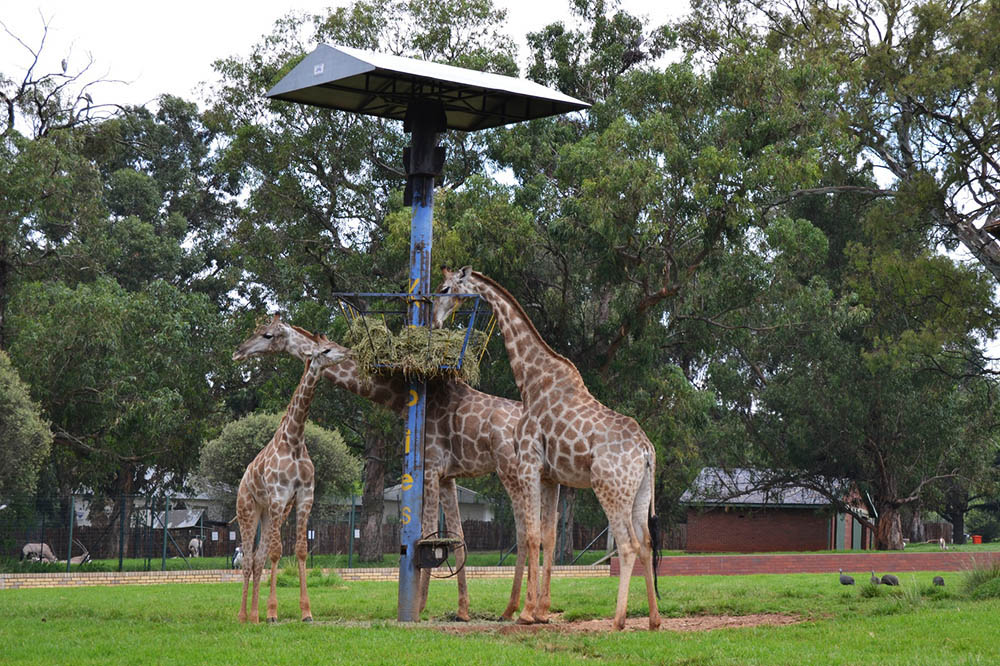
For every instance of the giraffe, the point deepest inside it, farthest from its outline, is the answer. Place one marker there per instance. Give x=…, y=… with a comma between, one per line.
x=280, y=475
x=467, y=433
x=567, y=437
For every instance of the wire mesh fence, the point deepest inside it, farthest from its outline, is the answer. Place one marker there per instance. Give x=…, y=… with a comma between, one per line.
x=163, y=531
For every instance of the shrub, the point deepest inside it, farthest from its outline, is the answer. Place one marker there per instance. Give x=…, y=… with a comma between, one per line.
x=224, y=459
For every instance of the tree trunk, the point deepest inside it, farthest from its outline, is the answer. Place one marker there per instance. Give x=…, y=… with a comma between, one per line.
x=564, y=533
x=123, y=489
x=958, y=527
x=888, y=530
x=916, y=531
x=373, y=499
x=4, y=280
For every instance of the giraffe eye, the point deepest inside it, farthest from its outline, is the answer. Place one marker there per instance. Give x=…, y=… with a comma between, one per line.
x=266, y=336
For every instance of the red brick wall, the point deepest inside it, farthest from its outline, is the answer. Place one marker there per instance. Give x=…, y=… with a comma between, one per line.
x=857, y=564
x=757, y=530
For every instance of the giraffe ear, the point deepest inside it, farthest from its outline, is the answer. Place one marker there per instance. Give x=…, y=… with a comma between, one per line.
x=465, y=271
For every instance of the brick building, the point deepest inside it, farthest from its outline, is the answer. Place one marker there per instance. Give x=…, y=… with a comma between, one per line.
x=727, y=512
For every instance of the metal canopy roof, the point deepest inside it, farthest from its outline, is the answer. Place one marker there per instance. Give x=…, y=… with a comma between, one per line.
x=377, y=84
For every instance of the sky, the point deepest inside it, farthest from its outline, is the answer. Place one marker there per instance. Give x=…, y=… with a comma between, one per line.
x=157, y=48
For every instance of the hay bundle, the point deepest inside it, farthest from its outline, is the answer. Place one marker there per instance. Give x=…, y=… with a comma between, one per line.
x=414, y=351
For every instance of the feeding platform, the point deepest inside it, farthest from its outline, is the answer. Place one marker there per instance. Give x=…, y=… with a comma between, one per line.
x=382, y=342
x=380, y=84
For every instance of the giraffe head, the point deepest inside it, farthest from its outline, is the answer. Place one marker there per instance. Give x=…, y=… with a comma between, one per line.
x=455, y=282
x=276, y=337
x=326, y=353
x=269, y=338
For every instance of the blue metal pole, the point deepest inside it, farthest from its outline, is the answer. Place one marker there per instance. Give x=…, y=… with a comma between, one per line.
x=412, y=485
x=423, y=161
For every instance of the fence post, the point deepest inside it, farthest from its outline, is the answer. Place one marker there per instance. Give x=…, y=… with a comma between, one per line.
x=69, y=548
x=121, y=535
x=350, y=535
x=166, y=521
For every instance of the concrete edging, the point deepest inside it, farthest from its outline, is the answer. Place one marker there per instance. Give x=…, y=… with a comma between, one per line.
x=13, y=581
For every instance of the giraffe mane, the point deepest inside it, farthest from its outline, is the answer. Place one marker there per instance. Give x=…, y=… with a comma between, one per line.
x=315, y=337
x=531, y=325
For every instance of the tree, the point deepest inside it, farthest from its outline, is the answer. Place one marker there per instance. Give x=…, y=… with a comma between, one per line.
x=916, y=94
x=25, y=438
x=225, y=458
x=124, y=377
x=879, y=384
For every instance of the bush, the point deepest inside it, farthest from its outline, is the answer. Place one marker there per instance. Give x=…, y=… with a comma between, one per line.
x=25, y=438
x=978, y=576
x=224, y=459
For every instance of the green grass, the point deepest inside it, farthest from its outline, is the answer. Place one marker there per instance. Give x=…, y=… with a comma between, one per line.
x=196, y=624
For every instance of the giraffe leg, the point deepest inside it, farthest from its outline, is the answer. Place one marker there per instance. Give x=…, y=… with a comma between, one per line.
x=640, y=525
x=515, y=592
x=532, y=539
x=549, y=518
x=274, y=554
x=619, y=512
x=257, y=562
x=304, y=507
x=453, y=523
x=248, y=518
x=428, y=525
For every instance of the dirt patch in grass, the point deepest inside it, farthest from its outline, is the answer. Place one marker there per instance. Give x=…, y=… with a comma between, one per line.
x=694, y=623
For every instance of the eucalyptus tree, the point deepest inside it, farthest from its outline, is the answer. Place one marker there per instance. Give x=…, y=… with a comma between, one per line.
x=125, y=378
x=917, y=95
x=616, y=215
x=877, y=382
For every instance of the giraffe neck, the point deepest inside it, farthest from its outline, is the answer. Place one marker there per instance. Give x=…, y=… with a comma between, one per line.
x=531, y=358
x=294, y=422
x=389, y=392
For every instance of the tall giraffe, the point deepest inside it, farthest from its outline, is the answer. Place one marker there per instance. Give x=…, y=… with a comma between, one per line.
x=467, y=433
x=281, y=474
x=567, y=437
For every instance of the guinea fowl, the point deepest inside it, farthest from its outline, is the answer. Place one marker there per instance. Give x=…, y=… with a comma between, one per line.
x=845, y=579
x=938, y=580
x=889, y=579
x=874, y=580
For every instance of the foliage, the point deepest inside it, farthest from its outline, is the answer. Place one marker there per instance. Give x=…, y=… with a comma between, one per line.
x=25, y=436
x=127, y=385
x=225, y=458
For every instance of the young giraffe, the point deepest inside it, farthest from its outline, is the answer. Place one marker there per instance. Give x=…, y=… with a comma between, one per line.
x=567, y=437
x=281, y=474
x=467, y=433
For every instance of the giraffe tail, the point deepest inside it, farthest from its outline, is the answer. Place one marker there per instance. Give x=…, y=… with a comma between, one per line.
x=654, y=524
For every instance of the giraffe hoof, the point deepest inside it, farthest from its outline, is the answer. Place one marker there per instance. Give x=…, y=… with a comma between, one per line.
x=272, y=620
x=525, y=620
x=307, y=619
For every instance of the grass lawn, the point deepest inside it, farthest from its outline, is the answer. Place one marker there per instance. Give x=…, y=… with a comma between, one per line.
x=196, y=624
